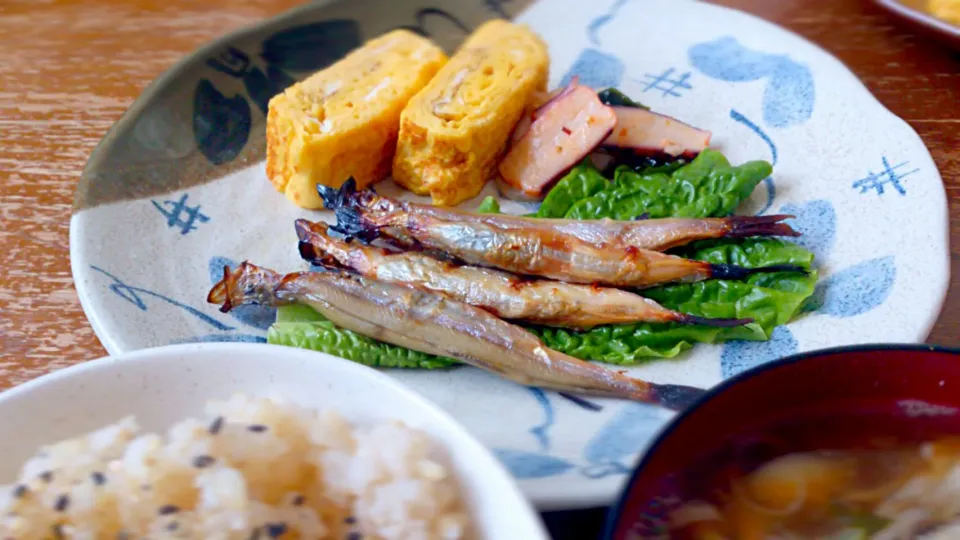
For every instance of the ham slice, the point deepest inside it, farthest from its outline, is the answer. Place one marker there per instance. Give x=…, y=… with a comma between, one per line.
x=560, y=134
x=646, y=132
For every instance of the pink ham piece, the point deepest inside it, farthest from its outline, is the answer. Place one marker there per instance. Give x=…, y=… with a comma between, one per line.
x=561, y=133
x=544, y=100
x=647, y=132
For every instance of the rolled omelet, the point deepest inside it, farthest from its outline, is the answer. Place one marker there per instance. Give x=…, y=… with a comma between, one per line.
x=453, y=132
x=343, y=121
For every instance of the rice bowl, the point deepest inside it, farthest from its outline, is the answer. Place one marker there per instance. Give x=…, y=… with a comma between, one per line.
x=267, y=442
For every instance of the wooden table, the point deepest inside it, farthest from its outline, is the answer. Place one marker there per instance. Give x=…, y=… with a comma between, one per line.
x=70, y=68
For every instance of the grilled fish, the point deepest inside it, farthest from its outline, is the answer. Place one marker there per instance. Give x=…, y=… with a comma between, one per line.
x=533, y=251
x=434, y=324
x=650, y=234
x=507, y=296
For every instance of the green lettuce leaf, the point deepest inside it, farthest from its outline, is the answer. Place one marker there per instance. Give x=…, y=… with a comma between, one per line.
x=770, y=299
x=490, y=205
x=581, y=182
x=302, y=327
x=616, y=98
x=707, y=187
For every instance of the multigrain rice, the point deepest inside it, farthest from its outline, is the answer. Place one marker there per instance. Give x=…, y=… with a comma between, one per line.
x=253, y=468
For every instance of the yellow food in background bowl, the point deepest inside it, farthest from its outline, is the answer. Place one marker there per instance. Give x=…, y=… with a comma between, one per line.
x=453, y=132
x=343, y=121
x=948, y=10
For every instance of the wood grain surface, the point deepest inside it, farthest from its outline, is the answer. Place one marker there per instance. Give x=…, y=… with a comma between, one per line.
x=69, y=68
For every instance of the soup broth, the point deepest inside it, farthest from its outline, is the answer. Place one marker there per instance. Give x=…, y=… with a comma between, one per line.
x=797, y=483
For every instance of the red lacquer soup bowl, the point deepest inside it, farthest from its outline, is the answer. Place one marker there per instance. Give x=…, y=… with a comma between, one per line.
x=851, y=397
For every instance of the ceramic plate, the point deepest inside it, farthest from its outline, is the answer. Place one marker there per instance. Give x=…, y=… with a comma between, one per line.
x=177, y=189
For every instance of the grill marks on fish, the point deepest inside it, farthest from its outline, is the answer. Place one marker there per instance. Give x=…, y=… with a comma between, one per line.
x=505, y=295
x=429, y=323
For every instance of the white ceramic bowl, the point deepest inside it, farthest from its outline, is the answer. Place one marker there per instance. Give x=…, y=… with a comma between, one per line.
x=163, y=385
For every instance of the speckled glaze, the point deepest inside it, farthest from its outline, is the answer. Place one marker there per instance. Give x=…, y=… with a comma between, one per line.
x=863, y=188
x=164, y=385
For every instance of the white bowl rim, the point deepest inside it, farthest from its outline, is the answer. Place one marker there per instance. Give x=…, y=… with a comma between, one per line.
x=513, y=496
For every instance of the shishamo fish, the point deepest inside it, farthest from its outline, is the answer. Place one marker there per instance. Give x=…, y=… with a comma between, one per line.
x=651, y=234
x=536, y=250
x=434, y=324
x=507, y=296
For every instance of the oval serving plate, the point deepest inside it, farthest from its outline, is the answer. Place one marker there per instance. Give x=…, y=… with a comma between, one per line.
x=177, y=189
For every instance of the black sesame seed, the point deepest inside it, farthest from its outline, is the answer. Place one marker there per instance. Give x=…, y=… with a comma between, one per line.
x=172, y=526
x=62, y=503
x=46, y=476
x=20, y=491
x=257, y=428
x=216, y=426
x=168, y=509
x=298, y=500
x=276, y=530
x=98, y=478
x=203, y=461
x=354, y=536
x=349, y=520
x=58, y=531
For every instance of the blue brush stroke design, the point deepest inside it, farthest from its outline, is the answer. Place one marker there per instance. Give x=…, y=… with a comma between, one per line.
x=528, y=465
x=621, y=438
x=421, y=17
x=311, y=47
x=593, y=29
x=666, y=82
x=789, y=97
x=261, y=317
x=496, y=6
x=739, y=356
x=769, y=182
x=891, y=175
x=221, y=125
x=263, y=86
x=817, y=223
x=790, y=94
x=542, y=431
x=857, y=289
x=132, y=294
x=741, y=119
x=595, y=69
x=218, y=338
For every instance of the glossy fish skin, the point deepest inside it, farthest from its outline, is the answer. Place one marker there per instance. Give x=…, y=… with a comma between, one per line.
x=531, y=251
x=649, y=234
x=507, y=296
x=434, y=324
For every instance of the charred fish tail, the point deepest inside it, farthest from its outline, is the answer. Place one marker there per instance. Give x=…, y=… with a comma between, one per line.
x=707, y=321
x=745, y=226
x=248, y=284
x=334, y=198
x=314, y=255
x=732, y=271
x=347, y=203
x=676, y=397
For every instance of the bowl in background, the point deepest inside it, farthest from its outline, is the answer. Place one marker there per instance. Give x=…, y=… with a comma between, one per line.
x=164, y=385
x=834, y=398
x=913, y=13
